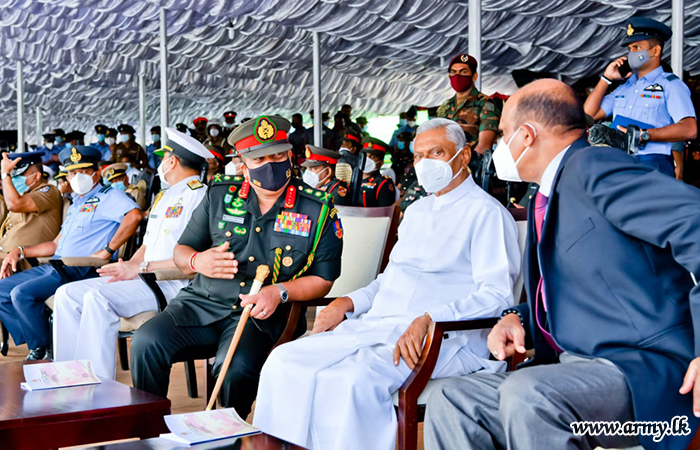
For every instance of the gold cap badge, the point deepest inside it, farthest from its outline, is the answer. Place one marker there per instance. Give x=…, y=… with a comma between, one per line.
x=630, y=30
x=464, y=58
x=264, y=130
x=75, y=156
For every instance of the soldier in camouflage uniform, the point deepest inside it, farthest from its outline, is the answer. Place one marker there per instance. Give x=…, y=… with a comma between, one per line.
x=475, y=112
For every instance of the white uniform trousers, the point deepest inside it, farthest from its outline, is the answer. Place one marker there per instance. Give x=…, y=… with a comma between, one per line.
x=87, y=315
x=331, y=391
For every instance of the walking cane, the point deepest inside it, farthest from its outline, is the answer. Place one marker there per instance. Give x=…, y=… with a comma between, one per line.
x=260, y=274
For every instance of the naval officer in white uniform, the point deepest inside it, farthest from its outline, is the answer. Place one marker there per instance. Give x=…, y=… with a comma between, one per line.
x=87, y=312
x=457, y=258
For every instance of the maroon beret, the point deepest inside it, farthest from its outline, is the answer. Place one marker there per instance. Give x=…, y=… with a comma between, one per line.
x=464, y=59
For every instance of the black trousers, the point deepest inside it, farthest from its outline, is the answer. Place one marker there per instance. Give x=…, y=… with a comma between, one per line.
x=159, y=343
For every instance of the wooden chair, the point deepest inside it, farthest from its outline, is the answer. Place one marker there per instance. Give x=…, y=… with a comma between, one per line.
x=411, y=398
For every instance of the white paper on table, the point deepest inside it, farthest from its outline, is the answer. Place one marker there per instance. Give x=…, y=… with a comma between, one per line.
x=205, y=426
x=58, y=374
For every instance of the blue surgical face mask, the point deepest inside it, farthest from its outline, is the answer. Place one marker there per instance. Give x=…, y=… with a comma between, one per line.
x=100, y=138
x=128, y=166
x=410, y=146
x=106, y=182
x=364, y=129
x=401, y=145
x=155, y=137
x=403, y=122
x=119, y=186
x=20, y=183
x=124, y=138
x=58, y=139
x=69, y=145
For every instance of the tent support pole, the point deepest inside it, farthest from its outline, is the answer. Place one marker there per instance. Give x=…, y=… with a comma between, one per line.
x=39, y=127
x=475, y=36
x=677, y=24
x=142, y=105
x=318, y=129
x=164, y=113
x=20, y=107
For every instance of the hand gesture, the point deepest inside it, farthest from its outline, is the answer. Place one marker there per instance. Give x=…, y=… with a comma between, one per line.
x=329, y=317
x=7, y=164
x=217, y=262
x=266, y=302
x=612, y=72
x=410, y=345
x=507, y=337
x=119, y=271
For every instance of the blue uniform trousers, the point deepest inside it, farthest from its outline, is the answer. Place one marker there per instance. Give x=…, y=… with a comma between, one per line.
x=22, y=298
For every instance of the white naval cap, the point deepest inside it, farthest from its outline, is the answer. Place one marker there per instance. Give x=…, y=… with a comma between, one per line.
x=184, y=146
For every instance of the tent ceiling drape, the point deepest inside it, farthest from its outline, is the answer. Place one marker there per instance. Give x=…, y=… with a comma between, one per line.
x=81, y=57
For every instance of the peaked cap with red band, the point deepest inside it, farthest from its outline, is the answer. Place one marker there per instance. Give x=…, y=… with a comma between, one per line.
x=263, y=136
x=317, y=156
x=353, y=135
x=374, y=146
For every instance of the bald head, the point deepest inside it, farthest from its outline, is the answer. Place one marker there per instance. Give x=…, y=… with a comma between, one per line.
x=548, y=102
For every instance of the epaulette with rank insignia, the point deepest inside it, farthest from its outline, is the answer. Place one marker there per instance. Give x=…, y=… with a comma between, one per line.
x=194, y=184
x=105, y=189
x=671, y=77
x=316, y=194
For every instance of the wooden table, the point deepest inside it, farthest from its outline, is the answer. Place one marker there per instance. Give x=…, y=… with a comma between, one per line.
x=255, y=442
x=79, y=415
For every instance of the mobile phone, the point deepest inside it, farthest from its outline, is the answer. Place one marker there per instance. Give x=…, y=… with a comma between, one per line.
x=624, y=69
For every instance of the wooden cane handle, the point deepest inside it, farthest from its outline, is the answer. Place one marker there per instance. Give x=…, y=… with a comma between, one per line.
x=260, y=274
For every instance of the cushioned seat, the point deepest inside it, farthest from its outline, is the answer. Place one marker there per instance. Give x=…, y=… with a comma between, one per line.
x=131, y=324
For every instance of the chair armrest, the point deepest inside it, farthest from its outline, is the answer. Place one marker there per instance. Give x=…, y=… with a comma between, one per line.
x=419, y=377
x=87, y=261
x=171, y=274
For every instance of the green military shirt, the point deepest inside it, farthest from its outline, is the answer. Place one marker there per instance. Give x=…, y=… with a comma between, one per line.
x=339, y=190
x=477, y=113
x=414, y=193
x=288, y=228
x=378, y=190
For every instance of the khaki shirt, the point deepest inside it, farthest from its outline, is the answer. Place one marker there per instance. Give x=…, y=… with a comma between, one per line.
x=136, y=154
x=3, y=209
x=28, y=229
x=138, y=193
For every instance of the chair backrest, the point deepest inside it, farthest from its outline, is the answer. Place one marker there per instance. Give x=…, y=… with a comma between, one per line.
x=520, y=216
x=369, y=234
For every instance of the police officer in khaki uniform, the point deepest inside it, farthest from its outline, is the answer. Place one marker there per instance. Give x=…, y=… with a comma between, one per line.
x=265, y=217
x=115, y=176
x=320, y=173
x=35, y=208
x=376, y=189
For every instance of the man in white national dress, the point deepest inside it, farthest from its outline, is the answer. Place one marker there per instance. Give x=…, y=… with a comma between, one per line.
x=457, y=258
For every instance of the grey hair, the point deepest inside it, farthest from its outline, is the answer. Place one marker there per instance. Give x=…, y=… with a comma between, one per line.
x=453, y=132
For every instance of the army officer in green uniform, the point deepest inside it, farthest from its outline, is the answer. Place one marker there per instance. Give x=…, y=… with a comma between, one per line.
x=264, y=217
x=320, y=173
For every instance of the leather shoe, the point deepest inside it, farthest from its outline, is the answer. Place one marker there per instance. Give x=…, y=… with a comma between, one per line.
x=36, y=354
x=4, y=347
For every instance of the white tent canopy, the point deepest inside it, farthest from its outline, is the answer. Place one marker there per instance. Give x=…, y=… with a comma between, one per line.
x=81, y=57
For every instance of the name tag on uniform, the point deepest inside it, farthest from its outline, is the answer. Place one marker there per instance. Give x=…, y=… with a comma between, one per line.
x=293, y=223
x=173, y=212
x=233, y=219
x=88, y=208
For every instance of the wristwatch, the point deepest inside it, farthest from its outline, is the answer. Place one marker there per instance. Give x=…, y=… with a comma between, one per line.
x=284, y=295
x=4, y=175
x=108, y=250
x=643, y=138
x=143, y=267
x=512, y=311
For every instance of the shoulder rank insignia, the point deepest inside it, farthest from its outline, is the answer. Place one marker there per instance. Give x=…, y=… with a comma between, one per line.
x=238, y=178
x=291, y=197
x=245, y=189
x=195, y=184
x=218, y=178
x=44, y=189
x=672, y=76
x=333, y=213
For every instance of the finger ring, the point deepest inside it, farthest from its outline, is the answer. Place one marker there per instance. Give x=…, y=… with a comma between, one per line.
x=264, y=313
x=495, y=355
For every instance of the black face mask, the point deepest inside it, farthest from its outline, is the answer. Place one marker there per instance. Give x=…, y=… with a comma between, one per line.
x=271, y=176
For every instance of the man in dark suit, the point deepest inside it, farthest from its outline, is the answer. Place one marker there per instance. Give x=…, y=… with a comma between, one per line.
x=612, y=312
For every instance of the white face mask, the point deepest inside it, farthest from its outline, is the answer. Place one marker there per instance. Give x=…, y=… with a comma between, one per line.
x=313, y=179
x=435, y=174
x=81, y=183
x=506, y=166
x=228, y=125
x=370, y=165
x=48, y=145
x=110, y=141
x=124, y=138
x=232, y=168
x=411, y=123
x=214, y=132
x=161, y=174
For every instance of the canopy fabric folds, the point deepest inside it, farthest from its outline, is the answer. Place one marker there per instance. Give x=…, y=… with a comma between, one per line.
x=82, y=57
